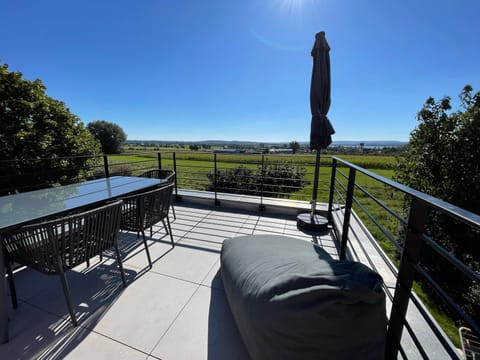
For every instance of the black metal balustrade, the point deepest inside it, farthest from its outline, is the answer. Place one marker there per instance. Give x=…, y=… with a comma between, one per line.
x=191, y=172
x=346, y=193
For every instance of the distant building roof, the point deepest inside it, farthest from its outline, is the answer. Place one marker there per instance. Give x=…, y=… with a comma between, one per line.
x=280, y=151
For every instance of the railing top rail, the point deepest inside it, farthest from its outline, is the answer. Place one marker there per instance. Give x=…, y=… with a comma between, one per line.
x=455, y=211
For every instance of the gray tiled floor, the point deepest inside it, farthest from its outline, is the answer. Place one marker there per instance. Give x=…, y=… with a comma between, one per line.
x=176, y=310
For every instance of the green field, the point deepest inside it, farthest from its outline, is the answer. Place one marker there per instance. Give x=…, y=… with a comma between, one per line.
x=192, y=167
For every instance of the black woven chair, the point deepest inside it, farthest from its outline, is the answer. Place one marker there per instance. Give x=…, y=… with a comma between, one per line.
x=54, y=246
x=165, y=174
x=142, y=211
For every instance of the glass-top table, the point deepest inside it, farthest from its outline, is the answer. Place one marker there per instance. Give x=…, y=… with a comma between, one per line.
x=20, y=209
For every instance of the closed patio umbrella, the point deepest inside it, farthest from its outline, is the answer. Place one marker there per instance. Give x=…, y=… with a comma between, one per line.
x=321, y=130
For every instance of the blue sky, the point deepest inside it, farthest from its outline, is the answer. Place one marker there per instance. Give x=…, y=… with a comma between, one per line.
x=240, y=70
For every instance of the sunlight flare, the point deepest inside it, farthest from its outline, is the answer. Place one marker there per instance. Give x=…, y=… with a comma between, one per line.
x=294, y=7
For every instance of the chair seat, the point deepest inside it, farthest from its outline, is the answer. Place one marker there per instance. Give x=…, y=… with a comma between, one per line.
x=53, y=246
x=143, y=210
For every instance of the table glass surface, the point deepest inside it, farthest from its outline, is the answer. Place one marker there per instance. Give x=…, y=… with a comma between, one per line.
x=21, y=208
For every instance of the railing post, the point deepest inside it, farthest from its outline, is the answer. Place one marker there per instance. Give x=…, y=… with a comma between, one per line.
x=332, y=190
x=406, y=274
x=159, y=156
x=348, y=212
x=177, y=197
x=217, y=202
x=105, y=166
x=261, y=207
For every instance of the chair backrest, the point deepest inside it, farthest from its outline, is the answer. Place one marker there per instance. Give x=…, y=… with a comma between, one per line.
x=166, y=174
x=143, y=210
x=73, y=239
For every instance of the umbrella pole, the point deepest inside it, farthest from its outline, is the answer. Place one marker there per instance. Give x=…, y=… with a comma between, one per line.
x=311, y=221
x=315, y=184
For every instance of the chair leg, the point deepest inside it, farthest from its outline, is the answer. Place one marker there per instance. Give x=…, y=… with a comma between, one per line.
x=146, y=249
x=66, y=292
x=173, y=210
x=165, y=225
x=13, y=291
x=120, y=265
x=170, y=231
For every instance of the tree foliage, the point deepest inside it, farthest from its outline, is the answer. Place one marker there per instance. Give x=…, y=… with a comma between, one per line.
x=33, y=126
x=443, y=160
x=274, y=180
x=295, y=146
x=110, y=135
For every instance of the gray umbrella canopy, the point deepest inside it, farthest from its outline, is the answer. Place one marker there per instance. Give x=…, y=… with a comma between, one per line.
x=321, y=129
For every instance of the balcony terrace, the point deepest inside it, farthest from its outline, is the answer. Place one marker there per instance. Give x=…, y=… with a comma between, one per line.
x=178, y=309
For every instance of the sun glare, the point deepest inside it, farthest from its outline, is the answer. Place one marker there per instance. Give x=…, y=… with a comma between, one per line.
x=294, y=6
x=286, y=24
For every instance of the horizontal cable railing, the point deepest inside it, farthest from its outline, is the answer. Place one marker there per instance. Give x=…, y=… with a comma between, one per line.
x=258, y=175
x=406, y=240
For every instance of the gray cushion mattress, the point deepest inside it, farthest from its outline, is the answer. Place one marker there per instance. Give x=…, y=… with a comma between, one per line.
x=291, y=300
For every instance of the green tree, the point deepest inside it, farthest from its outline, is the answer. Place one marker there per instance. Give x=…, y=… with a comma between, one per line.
x=442, y=159
x=110, y=135
x=34, y=126
x=295, y=146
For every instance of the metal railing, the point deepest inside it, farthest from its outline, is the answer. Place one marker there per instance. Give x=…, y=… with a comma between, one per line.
x=257, y=175
x=410, y=236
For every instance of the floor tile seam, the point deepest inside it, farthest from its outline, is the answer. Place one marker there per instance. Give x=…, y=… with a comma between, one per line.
x=197, y=223
x=207, y=229
x=245, y=222
x=64, y=317
x=203, y=231
x=213, y=288
x=183, y=243
x=82, y=326
x=208, y=272
x=223, y=221
x=242, y=227
x=256, y=224
x=174, y=320
x=284, y=227
x=147, y=355
x=202, y=242
x=194, y=236
x=27, y=299
x=174, y=277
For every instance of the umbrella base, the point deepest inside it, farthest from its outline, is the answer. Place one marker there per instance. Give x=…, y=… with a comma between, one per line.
x=315, y=223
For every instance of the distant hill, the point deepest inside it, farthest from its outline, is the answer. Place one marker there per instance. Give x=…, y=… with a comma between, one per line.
x=234, y=143
x=205, y=142
x=377, y=143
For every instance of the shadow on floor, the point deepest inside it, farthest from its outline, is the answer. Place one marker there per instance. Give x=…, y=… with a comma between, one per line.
x=41, y=327
x=224, y=341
